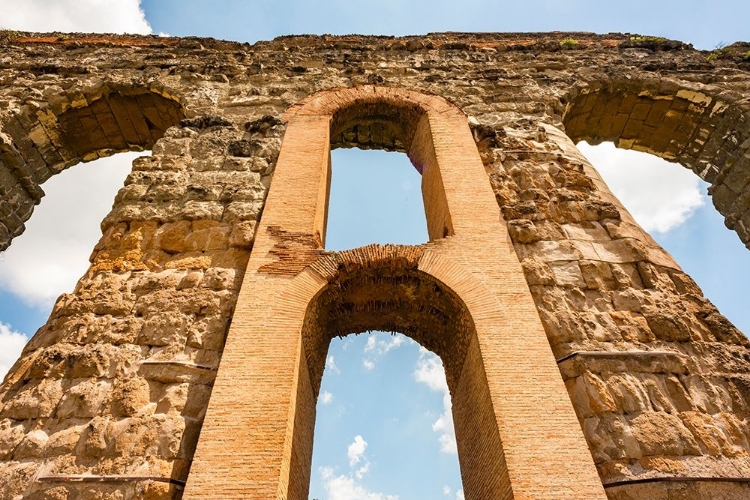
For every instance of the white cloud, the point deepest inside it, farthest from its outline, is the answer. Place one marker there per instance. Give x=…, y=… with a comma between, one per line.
x=444, y=426
x=331, y=365
x=371, y=342
x=660, y=195
x=446, y=490
x=429, y=371
x=460, y=495
x=326, y=397
x=356, y=450
x=99, y=16
x=53, y=252
x=364, y=469
x=344, y=487
x=356, y=454
x=347, y=486
x=379, y=344
x=11, y=344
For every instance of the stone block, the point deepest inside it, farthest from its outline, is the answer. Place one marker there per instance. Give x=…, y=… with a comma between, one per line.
x=130, y=397
x=660, y=434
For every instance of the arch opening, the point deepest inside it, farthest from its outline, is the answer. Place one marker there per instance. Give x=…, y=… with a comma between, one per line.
x=385, y=398
x=375, y=197
x=673, y=208
x=49, y=258
x=371, y=185
x=67, y=129
x=387, y=119
x=699, y=131
x=380, y=288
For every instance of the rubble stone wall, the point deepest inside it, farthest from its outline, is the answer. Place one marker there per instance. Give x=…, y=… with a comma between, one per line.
x=108, y=398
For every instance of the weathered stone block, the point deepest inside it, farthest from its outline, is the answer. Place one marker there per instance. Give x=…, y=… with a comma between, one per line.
x=84, y=398
x=36, y=399
x=129, y=397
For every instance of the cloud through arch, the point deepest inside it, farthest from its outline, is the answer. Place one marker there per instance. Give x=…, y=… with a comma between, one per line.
x=659, y=195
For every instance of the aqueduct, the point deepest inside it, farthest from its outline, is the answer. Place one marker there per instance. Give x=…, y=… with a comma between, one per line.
x=582, y=361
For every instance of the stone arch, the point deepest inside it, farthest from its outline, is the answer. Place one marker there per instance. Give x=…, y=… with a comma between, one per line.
x=142, y=241
x=69, y=127
x=562, y=218
x=699, y=127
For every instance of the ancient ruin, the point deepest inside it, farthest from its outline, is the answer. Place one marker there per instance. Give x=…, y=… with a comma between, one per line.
x=582, y=362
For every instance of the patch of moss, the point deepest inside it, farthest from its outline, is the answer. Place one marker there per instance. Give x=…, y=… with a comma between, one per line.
x=654, y=43
x=719, y=52
x=654, y=39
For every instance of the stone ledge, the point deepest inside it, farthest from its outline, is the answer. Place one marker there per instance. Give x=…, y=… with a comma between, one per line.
x=576, y=363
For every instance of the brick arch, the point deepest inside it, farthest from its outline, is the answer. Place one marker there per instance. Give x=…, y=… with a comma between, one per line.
x=332, y=101
x=382, y=288
x=415, y=291
x=256, y=439
x=376, y=117
x=704, y=130
x=68, y=128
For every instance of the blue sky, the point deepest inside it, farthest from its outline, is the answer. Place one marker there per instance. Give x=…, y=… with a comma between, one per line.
x=383, y=430
x=704, y=23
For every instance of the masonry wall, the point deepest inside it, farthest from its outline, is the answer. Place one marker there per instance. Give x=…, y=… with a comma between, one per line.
x=115, y=385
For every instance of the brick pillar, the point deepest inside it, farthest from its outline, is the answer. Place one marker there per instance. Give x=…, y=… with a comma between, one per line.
x=245, y=444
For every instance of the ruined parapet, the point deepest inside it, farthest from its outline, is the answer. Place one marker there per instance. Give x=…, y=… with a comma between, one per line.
x=111, y=394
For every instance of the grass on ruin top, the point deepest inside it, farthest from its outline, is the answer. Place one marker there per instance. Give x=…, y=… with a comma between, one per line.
x=655, y=39
x=569, y=43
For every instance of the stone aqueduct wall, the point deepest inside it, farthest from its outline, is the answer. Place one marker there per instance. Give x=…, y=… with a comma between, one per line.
x=108, y=399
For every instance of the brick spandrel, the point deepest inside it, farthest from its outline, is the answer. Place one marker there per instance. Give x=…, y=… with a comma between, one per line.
x=109, y=397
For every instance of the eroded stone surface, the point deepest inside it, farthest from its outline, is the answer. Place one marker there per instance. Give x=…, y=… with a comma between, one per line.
x=116, y=384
